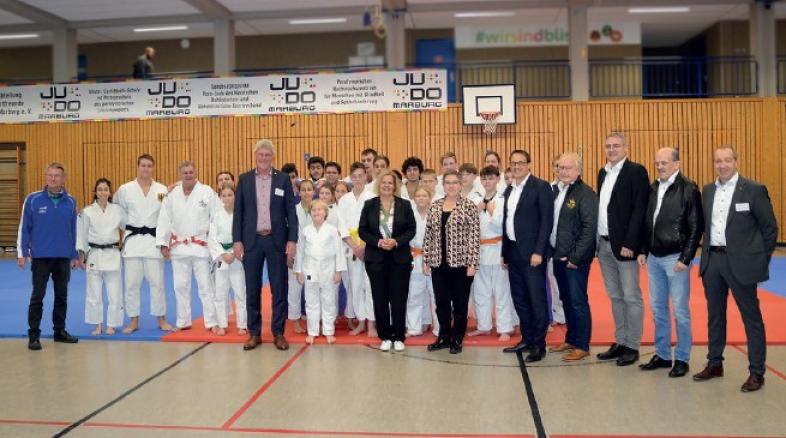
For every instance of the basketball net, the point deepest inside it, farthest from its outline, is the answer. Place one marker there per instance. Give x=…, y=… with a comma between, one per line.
x=490, y=119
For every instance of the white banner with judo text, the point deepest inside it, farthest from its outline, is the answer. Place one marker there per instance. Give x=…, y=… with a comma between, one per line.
x=405, y=90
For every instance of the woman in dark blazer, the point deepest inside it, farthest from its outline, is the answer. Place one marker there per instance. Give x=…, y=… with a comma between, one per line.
x=451, y=252
x=387, y=224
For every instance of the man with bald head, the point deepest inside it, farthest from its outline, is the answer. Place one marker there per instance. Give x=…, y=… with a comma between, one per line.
x=674, y=224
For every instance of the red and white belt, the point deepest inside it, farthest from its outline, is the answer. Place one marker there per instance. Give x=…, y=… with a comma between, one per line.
x=174, y=241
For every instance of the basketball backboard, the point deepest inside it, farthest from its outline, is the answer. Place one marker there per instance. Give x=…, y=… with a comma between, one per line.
x=478, y=99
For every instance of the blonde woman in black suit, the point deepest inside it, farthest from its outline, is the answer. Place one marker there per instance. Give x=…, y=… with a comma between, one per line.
x=387, y=224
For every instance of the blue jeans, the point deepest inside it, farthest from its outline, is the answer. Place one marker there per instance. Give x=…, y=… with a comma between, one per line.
x=572, y=284
x=665, y=283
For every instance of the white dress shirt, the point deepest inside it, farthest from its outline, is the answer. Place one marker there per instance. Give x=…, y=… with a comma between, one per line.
x=612, y=172
x=662, y=187
x=513, y=202
x=563, y=190
x=721, y=204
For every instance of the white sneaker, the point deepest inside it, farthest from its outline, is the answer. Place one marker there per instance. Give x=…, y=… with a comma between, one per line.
x=385, y=346
x=399, y=346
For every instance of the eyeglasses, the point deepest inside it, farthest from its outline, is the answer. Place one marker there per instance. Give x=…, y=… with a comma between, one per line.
x=518, y=163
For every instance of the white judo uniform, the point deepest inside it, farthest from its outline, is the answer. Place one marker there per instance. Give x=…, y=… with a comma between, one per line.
x=320, y=255
x=225, y=274
x=420, y=300
x=183, y=226
x=98, y=236
x=295, y=289
x=141, y=258
x=491, y=287
x=356, y=282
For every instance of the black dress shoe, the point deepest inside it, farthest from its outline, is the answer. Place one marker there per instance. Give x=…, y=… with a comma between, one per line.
x=441, y=344
x=709, y=372
x=535, y=355
x=518, y=348
x=754, y=383
x=655, y=363
x=628, y=357
x=680, y=369
x=455, y=347
x=63, y=336
x=34, y=344
x=612, y=353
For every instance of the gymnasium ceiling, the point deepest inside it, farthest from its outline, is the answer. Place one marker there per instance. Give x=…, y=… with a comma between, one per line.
x=101, y=21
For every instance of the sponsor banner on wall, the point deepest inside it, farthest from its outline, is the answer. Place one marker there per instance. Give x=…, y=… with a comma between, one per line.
x=533, y=35
x=404, y=90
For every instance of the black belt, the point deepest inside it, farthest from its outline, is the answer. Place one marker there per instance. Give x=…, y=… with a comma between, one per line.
x=104, y=246
x=139, y=231
x=719, y=249
x=606, y=238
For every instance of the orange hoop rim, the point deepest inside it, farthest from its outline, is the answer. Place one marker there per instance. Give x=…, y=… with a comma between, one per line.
x=489, y=116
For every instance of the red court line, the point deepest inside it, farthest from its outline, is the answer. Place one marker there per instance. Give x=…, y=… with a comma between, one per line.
x=264, y=388
x=772, y=370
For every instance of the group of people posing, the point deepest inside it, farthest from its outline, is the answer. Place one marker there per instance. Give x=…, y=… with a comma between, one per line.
x=408, y=251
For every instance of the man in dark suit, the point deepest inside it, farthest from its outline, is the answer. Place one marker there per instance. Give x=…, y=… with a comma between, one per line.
x=527, y=219
x=265, y=229
x=739, y=240
x=623, y=188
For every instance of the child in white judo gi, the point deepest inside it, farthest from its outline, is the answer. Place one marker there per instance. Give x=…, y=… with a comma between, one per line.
x=421, y=292
x=295, y=289
x=491, y=287
x=227, y=271
x=318, y=264
x=99, y=233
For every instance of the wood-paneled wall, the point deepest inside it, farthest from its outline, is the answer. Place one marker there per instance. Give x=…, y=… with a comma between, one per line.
x=757, y=127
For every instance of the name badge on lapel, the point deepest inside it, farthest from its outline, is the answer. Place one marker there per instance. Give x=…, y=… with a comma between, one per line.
x=279, y=192
x=742, y=206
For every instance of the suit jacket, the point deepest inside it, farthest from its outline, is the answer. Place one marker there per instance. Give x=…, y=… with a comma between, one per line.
x=403, y=231
x=751, y=235
x=532, y=220
x=283, y=219
x=627, y=207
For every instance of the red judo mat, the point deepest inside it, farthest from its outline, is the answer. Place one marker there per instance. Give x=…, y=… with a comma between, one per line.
x=773, y=307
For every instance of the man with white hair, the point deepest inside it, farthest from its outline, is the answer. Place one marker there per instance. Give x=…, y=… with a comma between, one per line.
x=265, y=229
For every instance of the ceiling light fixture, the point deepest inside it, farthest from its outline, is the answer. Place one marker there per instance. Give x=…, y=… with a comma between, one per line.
x=319, y=20
x=660, y=10
x=18, y=36
x=160, y=29
x=484, y=14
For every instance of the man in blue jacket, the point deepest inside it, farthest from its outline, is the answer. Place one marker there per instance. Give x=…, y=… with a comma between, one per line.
x=47, y=236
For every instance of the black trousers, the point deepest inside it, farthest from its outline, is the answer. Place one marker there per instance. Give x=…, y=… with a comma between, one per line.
x=528, y=290
x=60, y=271
x=717, y=280
x=253, y=262
x=390, y=289
x=451, y=295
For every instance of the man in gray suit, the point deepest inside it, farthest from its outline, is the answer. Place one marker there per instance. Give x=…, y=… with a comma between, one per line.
x=739, y=239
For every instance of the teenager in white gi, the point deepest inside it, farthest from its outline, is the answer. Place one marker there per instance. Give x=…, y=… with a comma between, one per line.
x=491, y=288
x=183, y=226
x=420, y=300
x=319, y=262
x=99, y=230
x=141, y=201
x=295, y=289
x=227, y=270
x=341, y=189
x=358, y=286
x=557, y=312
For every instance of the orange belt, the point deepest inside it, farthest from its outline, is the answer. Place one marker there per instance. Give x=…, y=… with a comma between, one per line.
x=416, y=251
x=492, y=241
x=173, y=242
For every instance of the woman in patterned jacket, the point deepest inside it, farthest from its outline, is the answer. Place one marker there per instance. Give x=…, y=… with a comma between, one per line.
x=451, y=253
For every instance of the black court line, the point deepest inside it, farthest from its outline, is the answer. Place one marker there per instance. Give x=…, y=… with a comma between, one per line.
x=87, y=417
x=533, y=403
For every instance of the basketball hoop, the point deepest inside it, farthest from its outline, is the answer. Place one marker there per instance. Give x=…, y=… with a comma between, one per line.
x=489, y=121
